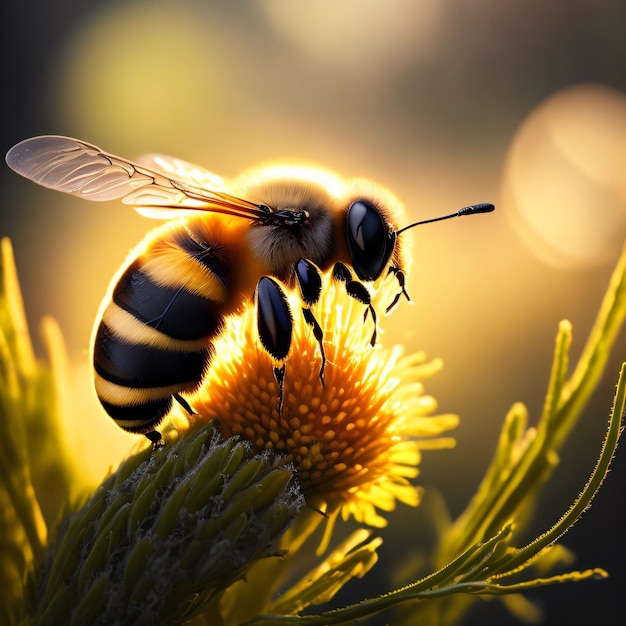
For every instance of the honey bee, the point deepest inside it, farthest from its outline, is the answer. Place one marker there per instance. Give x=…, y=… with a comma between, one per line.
x=273, y=227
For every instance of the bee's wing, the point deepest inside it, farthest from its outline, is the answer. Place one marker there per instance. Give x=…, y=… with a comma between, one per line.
x=182, y=171
x=75, y=167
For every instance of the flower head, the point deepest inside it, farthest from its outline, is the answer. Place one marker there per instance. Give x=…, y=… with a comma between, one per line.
x=353, y=439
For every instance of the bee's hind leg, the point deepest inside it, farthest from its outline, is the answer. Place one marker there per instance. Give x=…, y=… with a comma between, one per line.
x=184, y=404
x=155, y=437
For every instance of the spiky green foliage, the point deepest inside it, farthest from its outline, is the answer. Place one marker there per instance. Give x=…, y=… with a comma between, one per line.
x=167, y=532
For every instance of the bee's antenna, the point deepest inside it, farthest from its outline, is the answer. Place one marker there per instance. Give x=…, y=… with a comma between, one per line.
x=483, y=207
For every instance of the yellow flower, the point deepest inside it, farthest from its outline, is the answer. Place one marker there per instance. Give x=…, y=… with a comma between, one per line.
x=354, y=440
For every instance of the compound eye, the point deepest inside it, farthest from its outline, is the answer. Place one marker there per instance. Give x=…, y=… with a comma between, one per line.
x=370, y=241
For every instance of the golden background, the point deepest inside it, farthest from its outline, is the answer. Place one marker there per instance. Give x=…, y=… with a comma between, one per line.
x=522, y=104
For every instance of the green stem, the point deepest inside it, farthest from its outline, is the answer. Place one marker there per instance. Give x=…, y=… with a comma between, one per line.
x=533, y=549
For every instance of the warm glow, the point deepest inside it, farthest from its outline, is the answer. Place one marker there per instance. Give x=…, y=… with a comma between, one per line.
x=285, y=171
x=447, y=104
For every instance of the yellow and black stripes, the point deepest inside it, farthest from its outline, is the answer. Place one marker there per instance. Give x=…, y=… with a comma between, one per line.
x=155, y=337
x=173, y=310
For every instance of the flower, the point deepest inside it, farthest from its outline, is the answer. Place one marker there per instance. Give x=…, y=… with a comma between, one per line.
x=354, y=439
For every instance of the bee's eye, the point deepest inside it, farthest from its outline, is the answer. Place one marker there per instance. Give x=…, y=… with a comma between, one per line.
x=370, y=241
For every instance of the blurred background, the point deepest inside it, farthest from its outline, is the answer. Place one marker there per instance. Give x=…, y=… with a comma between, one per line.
x=522, y=104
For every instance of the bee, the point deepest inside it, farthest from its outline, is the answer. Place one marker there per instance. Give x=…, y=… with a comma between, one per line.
x=272, y=228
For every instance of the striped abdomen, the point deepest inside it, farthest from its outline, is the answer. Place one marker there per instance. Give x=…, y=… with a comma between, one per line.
x=154, y=339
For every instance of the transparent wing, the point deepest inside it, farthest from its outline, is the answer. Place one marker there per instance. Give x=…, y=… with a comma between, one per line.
x=81, y=169
x=182, y=171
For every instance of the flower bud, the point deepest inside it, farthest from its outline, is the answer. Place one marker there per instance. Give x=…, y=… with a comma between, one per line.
x=159, y=540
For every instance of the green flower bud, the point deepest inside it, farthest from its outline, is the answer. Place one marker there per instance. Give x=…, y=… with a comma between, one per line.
x=167, y=532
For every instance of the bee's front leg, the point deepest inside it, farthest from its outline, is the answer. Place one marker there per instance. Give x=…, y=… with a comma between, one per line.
x=356, y=290
x=401, y=278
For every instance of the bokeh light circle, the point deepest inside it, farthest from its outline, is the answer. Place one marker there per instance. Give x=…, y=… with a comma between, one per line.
x=564, y=180
x=131, y=70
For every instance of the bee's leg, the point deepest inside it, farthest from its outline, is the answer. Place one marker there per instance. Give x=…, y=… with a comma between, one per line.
x=318, y=333
x=184, y=404
x=275, y=324
x=156, y=438
x=358, y=291
x=279, y=375
x=310, y=284
x=154, y=435
x=401, y=278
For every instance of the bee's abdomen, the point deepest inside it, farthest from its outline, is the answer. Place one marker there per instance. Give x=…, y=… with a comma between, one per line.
x=155, y=339
x=175, y=311
x=137, y=366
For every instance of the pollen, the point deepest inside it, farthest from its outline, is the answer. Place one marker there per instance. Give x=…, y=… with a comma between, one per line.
x=353, y=437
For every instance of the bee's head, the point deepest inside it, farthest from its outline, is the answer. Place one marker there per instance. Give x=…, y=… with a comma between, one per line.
x=372, y=239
